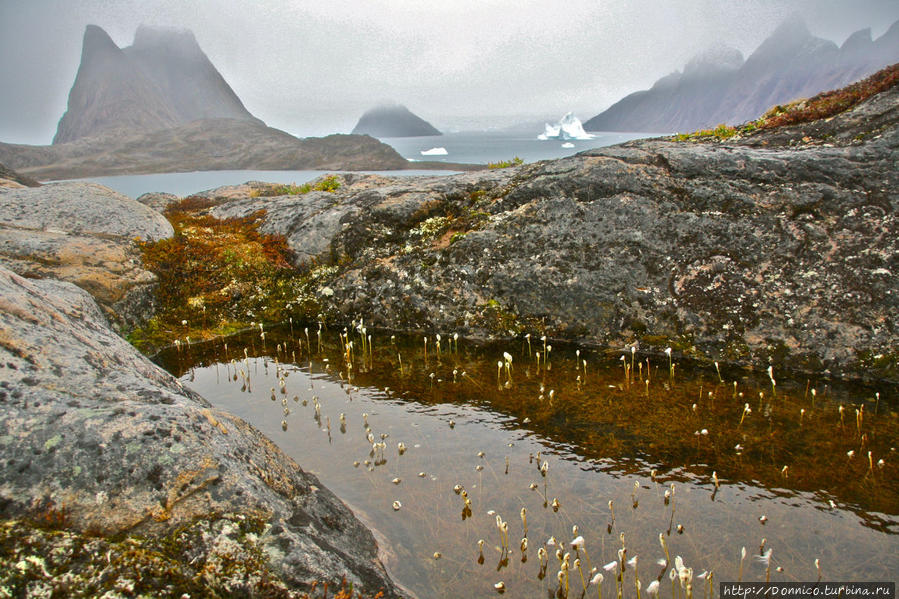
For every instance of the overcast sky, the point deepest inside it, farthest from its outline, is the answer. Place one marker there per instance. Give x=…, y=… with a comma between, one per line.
x=312, y=68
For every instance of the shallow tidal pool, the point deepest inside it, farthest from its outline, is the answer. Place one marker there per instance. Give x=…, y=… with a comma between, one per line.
x=438, y=445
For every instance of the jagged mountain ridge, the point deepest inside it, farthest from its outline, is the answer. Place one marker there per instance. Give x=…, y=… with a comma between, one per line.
x=720, y=87
x=164, y=79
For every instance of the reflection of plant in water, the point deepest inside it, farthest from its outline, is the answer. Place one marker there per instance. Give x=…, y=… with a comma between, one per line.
x=745, y=438
x=737, y=432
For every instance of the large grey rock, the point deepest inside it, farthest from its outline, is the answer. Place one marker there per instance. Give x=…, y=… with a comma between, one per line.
x=86, y=234
x=81, y=208
x=158, y=201
x=91, y=429
x=312, y=222
x=780, y=248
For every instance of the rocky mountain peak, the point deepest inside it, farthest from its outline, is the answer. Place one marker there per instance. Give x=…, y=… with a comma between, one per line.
x=717, y=86
x=161, y=81
x=861, y=39
x=160, y=38
x=97, y=41
x=393, y=120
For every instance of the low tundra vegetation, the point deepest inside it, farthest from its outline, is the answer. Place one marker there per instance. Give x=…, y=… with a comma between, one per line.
x=505, y=163
x=822, y=106
x=216, y=276
x=328, y=183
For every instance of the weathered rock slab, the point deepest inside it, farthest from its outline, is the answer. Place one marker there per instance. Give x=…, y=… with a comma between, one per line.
x=86, y=234
x=158, y=201
x=91, y=429
x=81, y=208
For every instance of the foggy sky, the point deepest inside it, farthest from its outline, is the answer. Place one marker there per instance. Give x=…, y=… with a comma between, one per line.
x=312, y=69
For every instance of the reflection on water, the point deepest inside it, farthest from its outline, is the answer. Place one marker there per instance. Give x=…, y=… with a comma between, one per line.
x=631, y=445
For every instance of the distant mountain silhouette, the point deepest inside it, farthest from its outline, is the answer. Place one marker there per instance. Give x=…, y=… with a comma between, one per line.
x=161, y=81
x=393, y=120
x=718, y=86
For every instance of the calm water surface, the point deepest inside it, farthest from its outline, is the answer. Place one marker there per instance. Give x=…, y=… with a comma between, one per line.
x=606, y=432
x=481, y=147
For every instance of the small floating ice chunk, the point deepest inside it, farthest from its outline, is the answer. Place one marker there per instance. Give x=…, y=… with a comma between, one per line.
x=441, y=151
x=567, y=144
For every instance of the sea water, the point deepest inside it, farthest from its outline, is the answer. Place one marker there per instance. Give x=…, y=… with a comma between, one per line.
x=482, y=147
x=473, y=147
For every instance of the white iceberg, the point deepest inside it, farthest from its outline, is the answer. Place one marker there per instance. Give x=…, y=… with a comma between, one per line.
x=569, y=127
x=567, y=144
x=434, y=152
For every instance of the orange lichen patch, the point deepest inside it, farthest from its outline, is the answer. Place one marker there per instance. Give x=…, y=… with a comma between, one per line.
x=14, y=346
x=186, y=484
x=444, y=240
x=214, y=421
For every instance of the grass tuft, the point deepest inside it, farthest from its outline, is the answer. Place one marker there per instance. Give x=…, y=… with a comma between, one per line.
x=505, y=163
x=329, y=183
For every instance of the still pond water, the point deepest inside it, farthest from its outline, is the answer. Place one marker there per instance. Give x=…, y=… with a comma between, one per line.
x=631, y=446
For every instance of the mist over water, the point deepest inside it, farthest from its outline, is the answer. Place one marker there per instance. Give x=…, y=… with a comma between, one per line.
x=306, y=69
